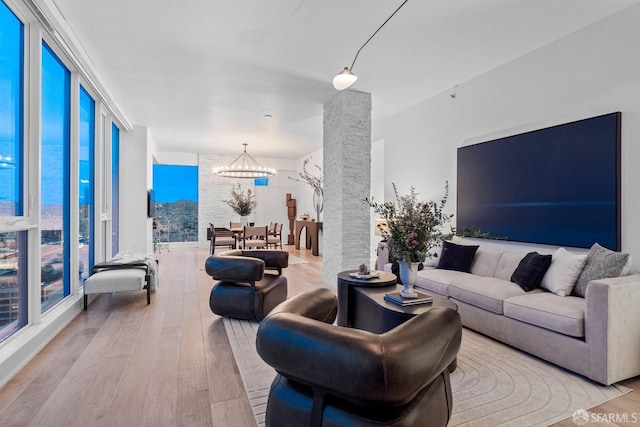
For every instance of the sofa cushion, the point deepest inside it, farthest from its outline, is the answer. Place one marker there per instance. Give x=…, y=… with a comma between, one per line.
x=530, y=271
x=563, y=272
x=457, y=257
x=438, y=281
x=509, y=261
x=601, y=263
x=485, y=262
x=549, y=311
x=484, y=292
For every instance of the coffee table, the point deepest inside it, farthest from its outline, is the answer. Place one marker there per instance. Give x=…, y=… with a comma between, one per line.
x=361, y=303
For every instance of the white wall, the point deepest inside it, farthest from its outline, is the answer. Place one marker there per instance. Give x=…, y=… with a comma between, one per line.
x=212, y=190
x=302, y=192
x=377, y=191
x=177, y=158
x=136, y=149
x=590, y=72
x=272, y=201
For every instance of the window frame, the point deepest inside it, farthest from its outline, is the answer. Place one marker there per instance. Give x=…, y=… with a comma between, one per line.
x=69, y=192
x=19, y=222
x=92, y=177
x=20, y=127
x=115, y=188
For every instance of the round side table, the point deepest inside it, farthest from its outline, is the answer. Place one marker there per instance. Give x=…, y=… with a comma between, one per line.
x=346, y=284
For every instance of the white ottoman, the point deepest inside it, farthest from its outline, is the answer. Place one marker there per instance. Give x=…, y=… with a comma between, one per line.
x=115, y=277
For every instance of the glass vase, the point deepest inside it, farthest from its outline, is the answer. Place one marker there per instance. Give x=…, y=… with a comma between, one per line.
x=318, y=202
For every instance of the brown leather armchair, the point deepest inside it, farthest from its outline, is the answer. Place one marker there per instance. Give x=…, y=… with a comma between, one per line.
x=334, y=376
x=244, y=291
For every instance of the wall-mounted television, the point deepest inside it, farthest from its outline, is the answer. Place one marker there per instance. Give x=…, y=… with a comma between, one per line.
x=558, y=185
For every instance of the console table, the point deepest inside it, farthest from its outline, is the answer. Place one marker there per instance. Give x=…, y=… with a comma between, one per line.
x=361, y=303
x=313, y=238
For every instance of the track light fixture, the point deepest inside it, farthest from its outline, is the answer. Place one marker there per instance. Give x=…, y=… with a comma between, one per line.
x=346, y=78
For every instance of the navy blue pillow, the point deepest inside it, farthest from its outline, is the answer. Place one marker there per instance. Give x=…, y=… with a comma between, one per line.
x=457, y=257
x=531, y=270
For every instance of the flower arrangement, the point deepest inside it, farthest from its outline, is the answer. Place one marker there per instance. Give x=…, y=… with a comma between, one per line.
x=314, y=181
x=242, y=203
x=413, y=227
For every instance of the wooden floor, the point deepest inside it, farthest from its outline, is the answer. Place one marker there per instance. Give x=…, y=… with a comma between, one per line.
x=123, y=363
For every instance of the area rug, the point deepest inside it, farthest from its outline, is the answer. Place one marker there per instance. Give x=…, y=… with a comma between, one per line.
x=494, y=385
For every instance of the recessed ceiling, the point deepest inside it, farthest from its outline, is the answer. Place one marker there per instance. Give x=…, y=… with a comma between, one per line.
x=202, y=75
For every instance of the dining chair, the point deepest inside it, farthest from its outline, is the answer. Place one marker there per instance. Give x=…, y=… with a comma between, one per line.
x=220, y=237
x=255, y=237
x=275, y=238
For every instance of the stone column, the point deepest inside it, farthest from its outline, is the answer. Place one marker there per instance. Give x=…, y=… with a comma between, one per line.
x=347, y=181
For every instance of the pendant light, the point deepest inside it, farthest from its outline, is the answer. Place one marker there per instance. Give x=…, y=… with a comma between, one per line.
x=346, y=77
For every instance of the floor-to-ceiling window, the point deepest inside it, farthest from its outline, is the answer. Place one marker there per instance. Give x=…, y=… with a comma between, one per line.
x=58, y=190
x=13, y=243
x=55, y=185
x=115, y=189
x=86, y=239
x=176, y=198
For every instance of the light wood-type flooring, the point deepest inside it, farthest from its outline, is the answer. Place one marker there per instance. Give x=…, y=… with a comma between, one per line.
x=123, y=363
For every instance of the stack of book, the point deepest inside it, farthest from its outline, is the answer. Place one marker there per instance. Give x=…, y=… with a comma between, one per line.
x=396, y=298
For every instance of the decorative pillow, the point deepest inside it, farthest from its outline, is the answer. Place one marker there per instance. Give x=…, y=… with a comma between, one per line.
x=601, y=263
x=457, y=257
x=563, y=272
x=433, y=257
x=530, y=271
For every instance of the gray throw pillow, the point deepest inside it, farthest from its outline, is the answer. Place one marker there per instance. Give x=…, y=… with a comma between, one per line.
x=601, y=263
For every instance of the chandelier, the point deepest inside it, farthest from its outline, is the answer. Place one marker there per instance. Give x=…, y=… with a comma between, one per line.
x=244, y=166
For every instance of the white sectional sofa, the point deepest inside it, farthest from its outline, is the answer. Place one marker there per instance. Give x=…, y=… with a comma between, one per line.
x=597, y=336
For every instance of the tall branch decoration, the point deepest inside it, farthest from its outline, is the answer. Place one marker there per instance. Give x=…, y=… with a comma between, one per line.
x=315, y=182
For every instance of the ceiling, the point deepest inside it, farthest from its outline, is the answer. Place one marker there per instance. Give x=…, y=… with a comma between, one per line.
x=202, y=74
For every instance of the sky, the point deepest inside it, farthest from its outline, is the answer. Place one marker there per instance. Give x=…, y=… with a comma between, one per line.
x=172, y=183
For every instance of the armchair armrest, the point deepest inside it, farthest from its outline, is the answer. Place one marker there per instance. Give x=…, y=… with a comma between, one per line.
x=234, y=268
x=612, y=328
x=272, y=258
x=319, y=304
